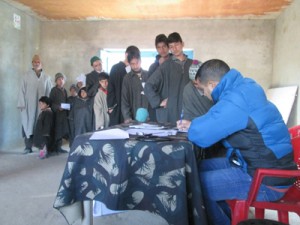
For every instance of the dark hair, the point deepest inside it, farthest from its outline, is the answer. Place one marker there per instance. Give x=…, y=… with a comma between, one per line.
x=103, y=76
x=161, y=38
x=80, y=90
x=134, y=54
x=174, y=37
x=46, y=100
x=213, y=69
x=131, y=48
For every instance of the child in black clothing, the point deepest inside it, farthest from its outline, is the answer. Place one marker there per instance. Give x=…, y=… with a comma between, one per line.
x=82, y=113
x=43, y=133
x=58, y=95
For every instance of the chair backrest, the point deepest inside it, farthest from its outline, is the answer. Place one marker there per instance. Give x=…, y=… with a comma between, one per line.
x=295, y=138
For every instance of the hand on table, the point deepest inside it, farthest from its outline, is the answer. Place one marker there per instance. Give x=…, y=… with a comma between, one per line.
x=183, y=125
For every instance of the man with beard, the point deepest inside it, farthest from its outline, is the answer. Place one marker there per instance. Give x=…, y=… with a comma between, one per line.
x=92, y=80
x=35, y=84
x=133, y=97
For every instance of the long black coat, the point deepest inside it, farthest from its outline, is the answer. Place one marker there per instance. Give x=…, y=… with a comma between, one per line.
x=43, y=133
x=61, y=127
x=114, y=92
x=82, y=115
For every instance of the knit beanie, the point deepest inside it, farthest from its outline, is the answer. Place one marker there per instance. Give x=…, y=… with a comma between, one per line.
x=194, y=68
x=58, y=75
x=93, y=59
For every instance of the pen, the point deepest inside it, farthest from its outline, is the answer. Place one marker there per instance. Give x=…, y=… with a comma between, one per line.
x=181, y=116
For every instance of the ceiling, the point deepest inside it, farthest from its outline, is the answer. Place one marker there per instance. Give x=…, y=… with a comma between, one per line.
x=151, y=9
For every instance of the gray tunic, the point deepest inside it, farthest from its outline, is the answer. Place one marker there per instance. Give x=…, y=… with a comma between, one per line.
x=168, y=81
x=101, y=110
x=31, y=89
x=133, y=96
x=194, y=103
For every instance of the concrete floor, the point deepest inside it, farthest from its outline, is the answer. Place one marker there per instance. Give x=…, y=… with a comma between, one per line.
x=28, y=188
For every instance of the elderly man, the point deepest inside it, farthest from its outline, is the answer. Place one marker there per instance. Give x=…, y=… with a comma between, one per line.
x=34, y=85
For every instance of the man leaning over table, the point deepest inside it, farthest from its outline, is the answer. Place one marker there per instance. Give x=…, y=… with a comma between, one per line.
x=251, y=129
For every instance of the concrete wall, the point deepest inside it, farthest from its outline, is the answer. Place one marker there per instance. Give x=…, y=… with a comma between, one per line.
x=16, y=50
x=286, y=65
x=245, y=44
x=67, y=47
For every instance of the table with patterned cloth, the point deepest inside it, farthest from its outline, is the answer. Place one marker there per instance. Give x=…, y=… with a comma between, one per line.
x=157, y=176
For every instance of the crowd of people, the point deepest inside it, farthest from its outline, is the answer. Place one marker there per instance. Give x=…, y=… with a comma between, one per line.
x=211, y=101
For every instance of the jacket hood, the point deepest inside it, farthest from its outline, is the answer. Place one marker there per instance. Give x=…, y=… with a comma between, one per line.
x=228, y=81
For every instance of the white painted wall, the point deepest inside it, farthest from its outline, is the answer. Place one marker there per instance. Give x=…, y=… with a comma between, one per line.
x=286, y=63
x=246, y=45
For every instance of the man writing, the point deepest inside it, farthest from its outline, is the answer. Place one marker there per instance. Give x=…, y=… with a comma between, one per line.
x=250, y=128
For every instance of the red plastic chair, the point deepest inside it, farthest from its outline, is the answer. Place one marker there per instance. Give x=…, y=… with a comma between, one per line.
x=290, y=202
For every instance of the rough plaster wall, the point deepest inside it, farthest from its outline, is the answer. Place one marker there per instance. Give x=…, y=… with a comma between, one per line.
x=286, y=64
x=16, y=50
x=245, y=44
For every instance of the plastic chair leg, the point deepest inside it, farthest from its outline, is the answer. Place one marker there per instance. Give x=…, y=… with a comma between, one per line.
x=259, y=213
x=283, y=217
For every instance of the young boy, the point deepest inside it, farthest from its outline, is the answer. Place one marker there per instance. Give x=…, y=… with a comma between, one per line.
x=100, y=104
x=59, y=95
x=82, y=113
x=43, y=133
x=133, y=97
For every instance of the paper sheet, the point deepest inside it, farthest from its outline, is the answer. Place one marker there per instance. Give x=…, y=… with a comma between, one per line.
x=159, y=133
x=66, y=106
x=109, y=134
x=147, y=126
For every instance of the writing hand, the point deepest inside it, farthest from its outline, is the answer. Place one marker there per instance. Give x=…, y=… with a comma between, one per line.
x=183, y=125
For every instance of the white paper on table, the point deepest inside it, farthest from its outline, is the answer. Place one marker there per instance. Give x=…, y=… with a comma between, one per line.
x=147, y=126
x=66, y=106
x=159, y=133
x=109, y=134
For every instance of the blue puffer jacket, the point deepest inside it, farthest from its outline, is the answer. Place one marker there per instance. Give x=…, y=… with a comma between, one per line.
x=250, y=127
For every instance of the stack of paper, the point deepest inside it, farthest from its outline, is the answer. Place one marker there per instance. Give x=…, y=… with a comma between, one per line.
x=109, y=134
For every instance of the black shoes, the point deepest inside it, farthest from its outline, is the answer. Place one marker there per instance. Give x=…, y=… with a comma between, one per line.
x=27, y=151
x=60, y=150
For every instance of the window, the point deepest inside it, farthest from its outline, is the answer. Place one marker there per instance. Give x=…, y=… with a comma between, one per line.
x=110, y=57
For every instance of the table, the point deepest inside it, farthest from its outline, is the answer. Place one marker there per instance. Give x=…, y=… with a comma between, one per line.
x=160, y=177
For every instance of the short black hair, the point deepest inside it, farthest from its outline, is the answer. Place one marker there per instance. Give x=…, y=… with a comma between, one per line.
x=45, y=100
x=213, y=69
x=103, y=76
x=80, y=90
x=133, y=54
x=174, y=37
x=131, y=48
x=161, y=38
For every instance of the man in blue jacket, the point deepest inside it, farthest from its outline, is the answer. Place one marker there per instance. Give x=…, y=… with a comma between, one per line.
x=250, y=128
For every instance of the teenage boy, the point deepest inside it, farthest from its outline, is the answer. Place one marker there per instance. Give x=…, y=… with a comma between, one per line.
x=164, y=88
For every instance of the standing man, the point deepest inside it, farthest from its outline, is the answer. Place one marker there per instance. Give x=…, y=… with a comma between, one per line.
x=133, y=97
x=92, y=80
x=114, y=89
x=162, y=48
x=164, y=87
x=253, y=133
x=195, y=103
x=34, y=85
